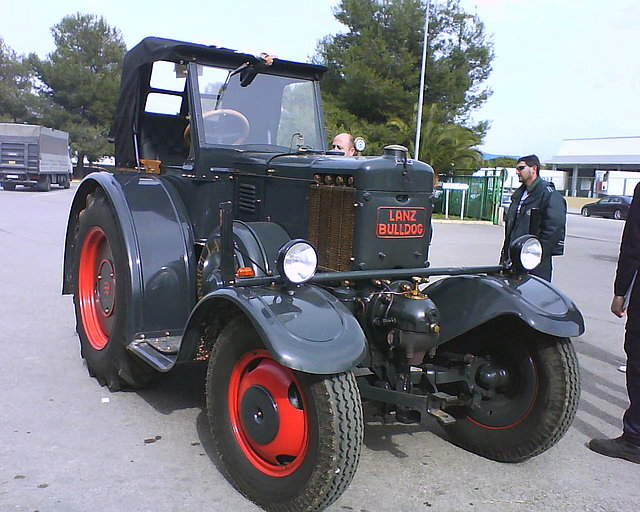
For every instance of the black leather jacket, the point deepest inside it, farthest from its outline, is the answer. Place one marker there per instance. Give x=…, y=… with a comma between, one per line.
x=551, y=220
x=629, y=259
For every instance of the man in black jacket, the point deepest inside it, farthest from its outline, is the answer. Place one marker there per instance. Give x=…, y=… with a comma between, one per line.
x=626, y=299
x=536, y=208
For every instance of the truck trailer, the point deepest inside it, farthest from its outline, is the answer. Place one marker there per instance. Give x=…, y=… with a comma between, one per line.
x=33, y=156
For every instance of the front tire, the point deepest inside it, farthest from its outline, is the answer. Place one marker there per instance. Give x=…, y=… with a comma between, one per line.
x=585, y=212
x=617, y=215
x=100, y=298
x=287, y=440
x=534, y=405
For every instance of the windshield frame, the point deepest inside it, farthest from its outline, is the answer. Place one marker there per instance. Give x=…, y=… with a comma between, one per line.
x=198, y=122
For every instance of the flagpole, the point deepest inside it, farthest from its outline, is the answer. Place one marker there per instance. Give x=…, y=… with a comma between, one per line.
x=422, y=80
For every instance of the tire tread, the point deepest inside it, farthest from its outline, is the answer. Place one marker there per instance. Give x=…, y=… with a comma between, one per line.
x=563, y=369
x=340, y=430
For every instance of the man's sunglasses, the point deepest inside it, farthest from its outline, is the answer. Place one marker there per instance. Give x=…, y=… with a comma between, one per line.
x=521, y=167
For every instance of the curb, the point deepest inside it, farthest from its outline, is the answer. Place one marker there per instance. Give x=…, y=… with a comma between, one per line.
x=458, y=221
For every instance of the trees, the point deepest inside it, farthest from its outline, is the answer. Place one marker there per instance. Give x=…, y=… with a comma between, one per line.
x=371, y=86
x=17, y=101
x=448, y=146
x=501, y=161
x=81, y=79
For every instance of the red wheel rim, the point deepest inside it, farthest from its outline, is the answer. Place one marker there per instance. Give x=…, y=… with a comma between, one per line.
x=97, y=287
x=267, y=414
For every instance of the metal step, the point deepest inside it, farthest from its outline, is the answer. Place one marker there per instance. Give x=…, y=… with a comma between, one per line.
x=442, y=417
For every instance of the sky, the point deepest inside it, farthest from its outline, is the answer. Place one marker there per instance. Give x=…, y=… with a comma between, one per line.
x=563, y=69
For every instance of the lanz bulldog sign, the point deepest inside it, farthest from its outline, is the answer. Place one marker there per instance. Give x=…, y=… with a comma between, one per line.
x=401, y=222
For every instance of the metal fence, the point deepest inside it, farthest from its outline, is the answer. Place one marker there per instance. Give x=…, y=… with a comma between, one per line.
x=482, y=198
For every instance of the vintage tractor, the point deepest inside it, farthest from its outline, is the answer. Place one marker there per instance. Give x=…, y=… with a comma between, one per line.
x=228, y=233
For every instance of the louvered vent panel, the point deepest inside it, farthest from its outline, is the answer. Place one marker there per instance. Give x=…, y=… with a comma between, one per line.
x=12, y=152
x=247, y=197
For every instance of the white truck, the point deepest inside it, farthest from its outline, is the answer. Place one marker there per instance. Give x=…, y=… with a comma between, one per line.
x=34, y=156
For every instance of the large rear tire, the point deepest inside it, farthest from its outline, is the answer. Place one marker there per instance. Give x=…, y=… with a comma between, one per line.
x=100, y=298
x=535, y=402
x=9, y=186
x=289, y=441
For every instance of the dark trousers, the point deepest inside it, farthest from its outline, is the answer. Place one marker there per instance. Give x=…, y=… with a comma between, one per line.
x=631, y=419
x=544, y=269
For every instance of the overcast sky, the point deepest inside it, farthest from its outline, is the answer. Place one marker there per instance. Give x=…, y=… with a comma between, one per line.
x=563, y=68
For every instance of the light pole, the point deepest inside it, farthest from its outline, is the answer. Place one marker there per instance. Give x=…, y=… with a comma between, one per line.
x=423, y=73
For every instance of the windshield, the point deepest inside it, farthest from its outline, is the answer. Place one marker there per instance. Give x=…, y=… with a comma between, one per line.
x=272, y=110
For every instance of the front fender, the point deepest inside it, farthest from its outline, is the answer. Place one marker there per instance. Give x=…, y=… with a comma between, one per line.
x=308, y=330
x=465, y=302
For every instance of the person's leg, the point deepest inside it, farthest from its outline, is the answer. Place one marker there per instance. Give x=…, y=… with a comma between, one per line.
x=627, y=446
x=544, y=269
x=631, y=419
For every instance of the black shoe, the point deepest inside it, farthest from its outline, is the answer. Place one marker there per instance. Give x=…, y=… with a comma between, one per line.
x=619, y=448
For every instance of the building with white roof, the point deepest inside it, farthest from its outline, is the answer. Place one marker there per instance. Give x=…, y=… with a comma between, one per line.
x=609, y=165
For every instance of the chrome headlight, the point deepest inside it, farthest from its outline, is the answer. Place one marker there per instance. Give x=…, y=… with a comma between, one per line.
x=297, y=261
x=526, y=253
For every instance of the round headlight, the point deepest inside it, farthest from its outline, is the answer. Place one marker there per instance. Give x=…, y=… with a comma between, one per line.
x=526, y=252
x=297, y=261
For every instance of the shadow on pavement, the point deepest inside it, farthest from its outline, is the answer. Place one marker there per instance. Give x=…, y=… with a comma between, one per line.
x=596, y=384
x=182, y=388
x=379, y=435
x=590, y=350
x=602, y=388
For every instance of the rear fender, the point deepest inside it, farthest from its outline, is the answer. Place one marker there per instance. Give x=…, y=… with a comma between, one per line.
x=159, y=244
x=465, y=302
x=307, y=329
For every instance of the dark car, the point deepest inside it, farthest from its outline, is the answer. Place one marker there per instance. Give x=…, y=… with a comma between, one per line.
x=616, y=207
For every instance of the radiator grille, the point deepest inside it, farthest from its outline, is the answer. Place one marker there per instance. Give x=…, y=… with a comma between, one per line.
x=331, y=225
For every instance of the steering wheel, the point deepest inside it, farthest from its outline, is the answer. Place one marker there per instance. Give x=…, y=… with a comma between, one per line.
x=239, y=135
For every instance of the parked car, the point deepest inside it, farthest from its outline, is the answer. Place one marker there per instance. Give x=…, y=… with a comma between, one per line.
x=301, y=277
x=616, y=207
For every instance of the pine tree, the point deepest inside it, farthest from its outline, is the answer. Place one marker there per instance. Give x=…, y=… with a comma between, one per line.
x=372, y=85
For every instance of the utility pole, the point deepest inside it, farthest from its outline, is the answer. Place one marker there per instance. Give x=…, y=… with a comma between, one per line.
x=423, y=73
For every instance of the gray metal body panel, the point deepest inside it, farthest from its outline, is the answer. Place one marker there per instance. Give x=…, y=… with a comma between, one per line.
x=465, y=302
x=160, y=250
x=307, y=329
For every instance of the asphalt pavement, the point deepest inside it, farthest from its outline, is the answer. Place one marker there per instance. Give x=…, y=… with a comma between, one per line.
x=69, y=445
